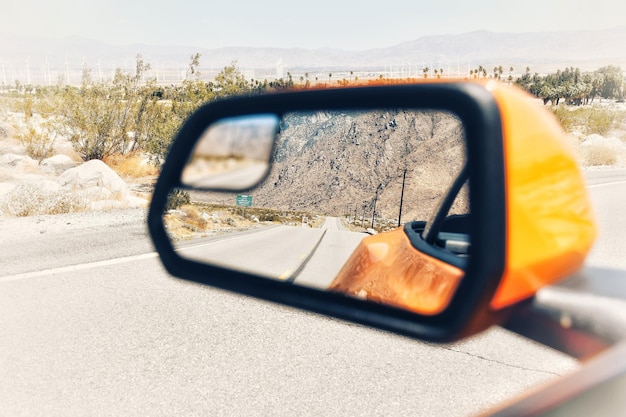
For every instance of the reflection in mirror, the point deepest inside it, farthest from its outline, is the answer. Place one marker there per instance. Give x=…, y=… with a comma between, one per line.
x=232, y=153
x=331, y=212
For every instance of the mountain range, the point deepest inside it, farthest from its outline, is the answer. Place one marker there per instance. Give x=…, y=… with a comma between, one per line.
x=24, y=57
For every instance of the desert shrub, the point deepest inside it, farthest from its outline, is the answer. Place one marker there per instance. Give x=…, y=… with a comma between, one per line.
x=176, y=199
x=589, y=120
x=33, y=199
x=598, y=154
x=23, y=200
x=64, y=201
x=600, y=121
x=194, y=220
x=269, y=217
x=38, y=138
x=133, y=165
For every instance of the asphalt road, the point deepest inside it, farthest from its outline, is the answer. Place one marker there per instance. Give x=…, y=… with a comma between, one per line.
x=92, y=325
x=607, y=189
x=306, y=256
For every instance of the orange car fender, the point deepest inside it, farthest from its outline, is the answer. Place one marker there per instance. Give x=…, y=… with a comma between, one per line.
x=387, y=268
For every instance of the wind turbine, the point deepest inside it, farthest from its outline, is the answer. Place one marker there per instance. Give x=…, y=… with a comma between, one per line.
x=28, y=71
x=4, y=74
x=67, y=71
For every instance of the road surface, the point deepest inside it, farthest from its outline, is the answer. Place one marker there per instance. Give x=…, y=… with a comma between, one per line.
x=303, y=255
x=92, y=325
x=607, y=189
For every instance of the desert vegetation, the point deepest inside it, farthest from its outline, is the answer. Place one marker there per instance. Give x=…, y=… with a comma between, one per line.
x=132, y=114
x=124, y=116
x=573, y=86
x=129, y=121
x=196, y=220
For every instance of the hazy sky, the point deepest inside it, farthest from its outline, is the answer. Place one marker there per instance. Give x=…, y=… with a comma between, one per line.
x=310, y=24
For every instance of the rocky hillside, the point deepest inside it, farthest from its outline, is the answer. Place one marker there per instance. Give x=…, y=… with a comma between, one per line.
x=334, y=162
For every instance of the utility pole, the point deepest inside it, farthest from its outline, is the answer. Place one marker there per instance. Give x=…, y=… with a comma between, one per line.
x=375, y=198
x=401, y=197
x=363, y=215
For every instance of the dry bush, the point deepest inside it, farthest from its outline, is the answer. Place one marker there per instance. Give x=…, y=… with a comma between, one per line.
x=598, y=155
x=194, y=219
x=588, y=119
x=185, y=222
x=132, y=165
x=39, y=145
x=33, y=199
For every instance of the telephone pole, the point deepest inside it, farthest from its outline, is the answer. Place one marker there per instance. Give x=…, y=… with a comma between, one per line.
x=401, y=197
x=375, y=198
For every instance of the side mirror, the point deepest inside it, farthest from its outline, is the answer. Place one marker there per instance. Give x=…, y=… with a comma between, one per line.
x=388, y=206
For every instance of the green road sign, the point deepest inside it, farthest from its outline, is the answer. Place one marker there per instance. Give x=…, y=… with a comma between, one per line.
x=244, y=200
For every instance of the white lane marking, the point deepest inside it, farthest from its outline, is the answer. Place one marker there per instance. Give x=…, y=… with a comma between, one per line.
x=79, y=267
x=605, y=184
x=106, y=262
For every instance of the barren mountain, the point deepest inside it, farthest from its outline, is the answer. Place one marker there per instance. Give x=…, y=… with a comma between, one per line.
x=326, y=162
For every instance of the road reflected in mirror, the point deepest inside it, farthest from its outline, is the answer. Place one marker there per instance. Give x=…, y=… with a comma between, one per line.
x=343, y=208
x=232, y=153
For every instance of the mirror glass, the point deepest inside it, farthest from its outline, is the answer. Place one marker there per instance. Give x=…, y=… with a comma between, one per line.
x=332, y=210
x=232, y=154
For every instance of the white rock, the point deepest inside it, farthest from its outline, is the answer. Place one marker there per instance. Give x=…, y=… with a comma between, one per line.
x=57, y=160
x=57, y=164
x=94, y=173
x=48, y=186
x=596, y=139
x=19, y=164
x=96, y=193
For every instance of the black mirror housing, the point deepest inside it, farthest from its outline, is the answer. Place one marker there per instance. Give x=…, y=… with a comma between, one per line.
x=469, y=308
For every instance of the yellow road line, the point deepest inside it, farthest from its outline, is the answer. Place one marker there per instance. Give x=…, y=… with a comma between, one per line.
x=285, y=275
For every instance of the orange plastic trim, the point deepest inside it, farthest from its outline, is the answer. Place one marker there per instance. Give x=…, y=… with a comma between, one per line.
x=386, y=268
x=550, y=223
